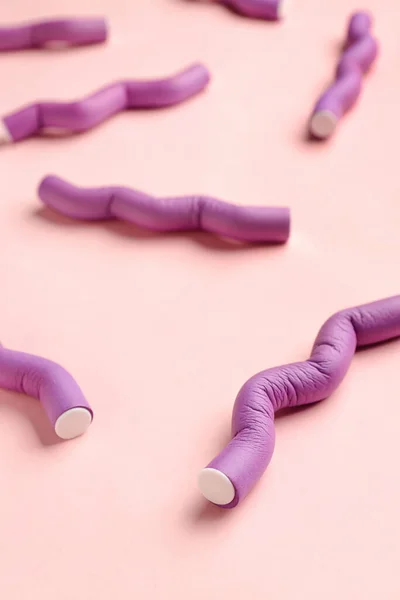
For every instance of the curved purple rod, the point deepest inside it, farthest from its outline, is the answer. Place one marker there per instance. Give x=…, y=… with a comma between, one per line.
x=187, y=213
x=232, y=474
x=361, y=50
x=96, y=108
x=270, y=10
x=69, y=31
x=58, y=392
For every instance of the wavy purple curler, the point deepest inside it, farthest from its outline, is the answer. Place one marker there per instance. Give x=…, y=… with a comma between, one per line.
x=361, y=50
x=69, y=32
x=92, y=110
x=187, y=213
x=270, y=10
x=232, y=474
x=58, y=392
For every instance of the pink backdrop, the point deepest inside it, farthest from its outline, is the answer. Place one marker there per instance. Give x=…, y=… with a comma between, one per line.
x=161, y=331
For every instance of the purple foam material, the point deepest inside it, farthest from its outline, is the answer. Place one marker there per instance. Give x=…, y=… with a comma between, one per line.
x=246, y=457
x=96, y=108
x=44, y=380
x=187, y=213
x=359, y=26
x=360, y=51
x=76, y=31
x=270, y=10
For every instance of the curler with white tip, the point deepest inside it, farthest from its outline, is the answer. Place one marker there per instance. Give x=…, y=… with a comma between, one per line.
x=231, y=475
x=361, y=50
x=57, y=391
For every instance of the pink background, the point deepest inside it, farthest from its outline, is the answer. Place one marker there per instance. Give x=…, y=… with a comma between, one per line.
x=161, y=331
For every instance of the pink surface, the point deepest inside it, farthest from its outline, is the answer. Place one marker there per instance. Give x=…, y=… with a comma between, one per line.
x=161, y=331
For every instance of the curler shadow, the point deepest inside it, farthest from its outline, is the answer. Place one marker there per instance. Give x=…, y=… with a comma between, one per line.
x=308, y=138
x=206, y=514
x=33, y=412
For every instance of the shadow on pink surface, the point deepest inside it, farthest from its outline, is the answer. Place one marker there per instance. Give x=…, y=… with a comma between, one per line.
x=31, y=411
x=205, y=514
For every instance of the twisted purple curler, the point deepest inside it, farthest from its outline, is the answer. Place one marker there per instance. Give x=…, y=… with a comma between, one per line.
x=361, y=49
x=69, y=31
x=92, y=110
x=270, y=10
x=187, y=213
x=232, y=474
x=59, y=394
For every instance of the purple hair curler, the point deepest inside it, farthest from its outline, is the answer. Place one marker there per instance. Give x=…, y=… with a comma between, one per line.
x=361, y=49
x=232, y=474
x=67, y=32
x=60, y=395
x=270, y=10
x=92, y=110
x=188, y=213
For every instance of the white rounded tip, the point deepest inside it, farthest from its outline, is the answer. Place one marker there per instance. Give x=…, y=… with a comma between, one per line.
x=282, y=10
x=323, y=124
x=216, y=486
x=73, y=423
x=5, y=136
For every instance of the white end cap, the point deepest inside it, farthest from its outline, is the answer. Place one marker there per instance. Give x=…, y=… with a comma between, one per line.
x=216, y=486
x=282, y=10
x=323, y=124
x=73, y=423
x=5, y=137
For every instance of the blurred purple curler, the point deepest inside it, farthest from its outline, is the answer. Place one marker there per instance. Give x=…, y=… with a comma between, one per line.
x=187, y=213
x=234, y=472
x=76, y=31
x=87, y=113
x=59, y=394
x=270, y=10
x=361, y=50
